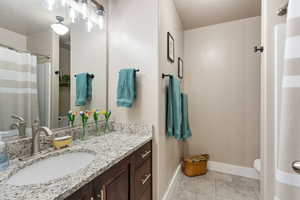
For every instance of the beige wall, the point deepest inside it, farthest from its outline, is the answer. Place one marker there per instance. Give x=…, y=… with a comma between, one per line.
x=88, y=55
x=133, y=42
x=269, y=20
x=40, y=42
x=47, y=43
x=224, y=88
x=13, y=39
x=170, y=150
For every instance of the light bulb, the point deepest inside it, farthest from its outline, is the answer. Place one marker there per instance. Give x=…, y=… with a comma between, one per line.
x=72, y=14
x=50, y=4
x=84, y=9
x=101, y=21
x=89, y=25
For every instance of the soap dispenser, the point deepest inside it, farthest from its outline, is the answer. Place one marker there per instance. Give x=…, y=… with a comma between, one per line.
x=4, y=161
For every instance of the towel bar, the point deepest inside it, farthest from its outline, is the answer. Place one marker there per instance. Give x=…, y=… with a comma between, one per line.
x=166, y=75
x=91, y=75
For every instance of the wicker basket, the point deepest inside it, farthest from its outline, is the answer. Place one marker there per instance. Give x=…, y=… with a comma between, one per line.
x=195, y=165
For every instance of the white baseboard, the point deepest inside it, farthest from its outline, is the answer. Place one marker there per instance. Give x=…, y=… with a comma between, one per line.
x=233, y=169
x=214, y=166
x=172, y=185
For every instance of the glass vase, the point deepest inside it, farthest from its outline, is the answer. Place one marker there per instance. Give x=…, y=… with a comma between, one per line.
x=83, y=133
x=106, y=126
x=97, y=128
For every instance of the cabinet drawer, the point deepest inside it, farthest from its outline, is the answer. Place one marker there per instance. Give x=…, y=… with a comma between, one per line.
x=143, y=179
x=143, y=154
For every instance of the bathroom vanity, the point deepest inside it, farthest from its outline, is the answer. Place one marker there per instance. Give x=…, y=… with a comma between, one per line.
x=130, y=179
x=114, y=166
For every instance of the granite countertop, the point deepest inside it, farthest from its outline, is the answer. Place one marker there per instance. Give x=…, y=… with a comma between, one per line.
x=109, y=150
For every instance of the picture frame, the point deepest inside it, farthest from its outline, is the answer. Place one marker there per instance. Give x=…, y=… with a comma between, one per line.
x=171, y=48
x=180, y=68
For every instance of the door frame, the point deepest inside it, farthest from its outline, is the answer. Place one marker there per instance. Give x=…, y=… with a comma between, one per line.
x=269, y=20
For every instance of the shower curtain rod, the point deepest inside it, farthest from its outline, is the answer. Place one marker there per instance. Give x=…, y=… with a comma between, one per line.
x=23, y=51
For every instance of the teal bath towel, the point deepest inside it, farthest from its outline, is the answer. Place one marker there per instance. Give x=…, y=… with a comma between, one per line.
x=83, y=89
x=186, y=131
x=126, y=91
x=174, y=113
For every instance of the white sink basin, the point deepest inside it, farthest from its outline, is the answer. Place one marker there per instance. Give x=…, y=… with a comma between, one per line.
x=51, y=168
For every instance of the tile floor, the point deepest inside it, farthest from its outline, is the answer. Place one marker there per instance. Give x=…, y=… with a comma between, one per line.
x=215, y=186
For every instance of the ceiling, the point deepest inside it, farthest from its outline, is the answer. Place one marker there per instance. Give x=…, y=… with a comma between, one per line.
x=198, y=13
x=27, y=16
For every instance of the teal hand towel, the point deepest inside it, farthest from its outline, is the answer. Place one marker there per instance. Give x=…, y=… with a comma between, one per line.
x=174, y=113
x=126, y=91
x=83, y=89
x=186, y=131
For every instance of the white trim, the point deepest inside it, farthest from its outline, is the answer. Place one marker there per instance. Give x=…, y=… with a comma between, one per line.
x=233, y=169
x=172, y=185
x=288, y=178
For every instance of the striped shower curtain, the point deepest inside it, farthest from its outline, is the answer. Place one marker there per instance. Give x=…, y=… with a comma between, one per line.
x=288, y=181
x=18, y=87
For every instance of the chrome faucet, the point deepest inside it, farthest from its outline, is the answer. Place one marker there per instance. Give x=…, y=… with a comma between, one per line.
x=20, y=125
x=36, y=131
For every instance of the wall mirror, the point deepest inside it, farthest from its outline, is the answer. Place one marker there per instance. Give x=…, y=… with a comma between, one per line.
x=44, y=44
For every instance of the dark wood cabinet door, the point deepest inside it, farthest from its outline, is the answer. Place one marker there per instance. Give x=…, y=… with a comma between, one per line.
x=147, y=194
x=115, y=183
x=85, y=193
x=142, y=179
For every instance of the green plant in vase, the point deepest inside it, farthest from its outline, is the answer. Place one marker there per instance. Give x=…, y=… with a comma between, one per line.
x=106, y=115
x=71, y=118
x=96, y=114
x=84, y=118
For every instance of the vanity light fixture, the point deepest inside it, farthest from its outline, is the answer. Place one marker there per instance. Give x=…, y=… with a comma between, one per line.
x=100, y=13
x=90, y=10
x=59, y=28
